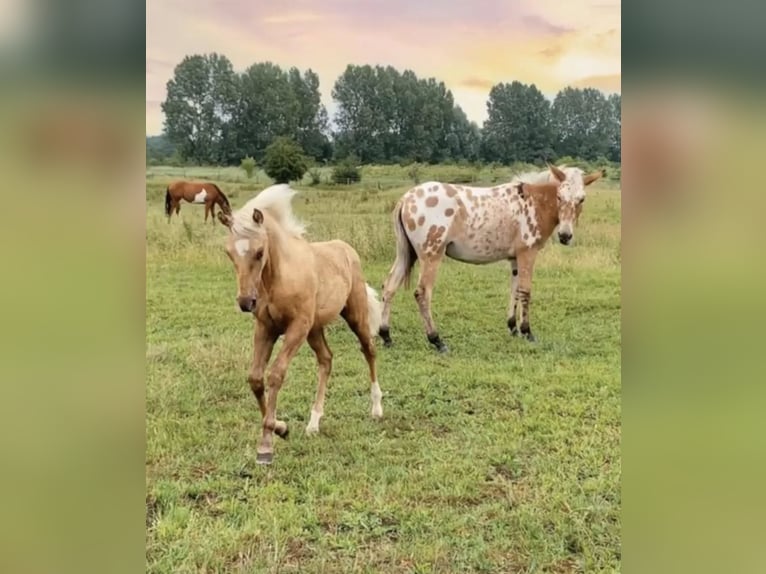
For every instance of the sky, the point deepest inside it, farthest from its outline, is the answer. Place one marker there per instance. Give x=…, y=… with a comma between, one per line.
x=470, y=45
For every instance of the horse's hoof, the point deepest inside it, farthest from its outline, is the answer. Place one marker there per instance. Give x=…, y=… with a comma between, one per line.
x=388, y=343
x=282, y=433
x=514, y=332
x=264, y=457
x=530, y=337
x=443, y=350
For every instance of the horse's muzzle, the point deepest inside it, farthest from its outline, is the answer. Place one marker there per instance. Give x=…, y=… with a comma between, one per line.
x=246, y=304
x=565, y=238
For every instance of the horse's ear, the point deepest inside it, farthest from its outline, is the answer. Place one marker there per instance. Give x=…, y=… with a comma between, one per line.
x=557, y=173
x=591, y=177
x=257, y=216
x=520, y=189
x=225, y=219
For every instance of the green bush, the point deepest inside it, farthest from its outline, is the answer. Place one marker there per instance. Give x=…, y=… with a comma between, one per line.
x=347, y=172
x=284, y=161
x=248, y=164
x=413, y=172
x=316, y=176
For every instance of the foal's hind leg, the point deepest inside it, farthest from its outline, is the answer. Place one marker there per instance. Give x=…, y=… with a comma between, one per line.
x=423, y=293
x=355, y=314
x=318, y=344
x=207, y=211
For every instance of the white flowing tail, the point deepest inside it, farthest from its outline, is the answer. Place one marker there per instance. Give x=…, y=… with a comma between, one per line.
x=405, y=254
x=374, y=311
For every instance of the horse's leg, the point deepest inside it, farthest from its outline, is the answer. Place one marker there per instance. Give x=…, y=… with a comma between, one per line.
x=263, y=344
x=389, y=290
x=423, y=293
x=526, y=260
x=318, y=344
x=207, y=211
x=212, y=212
x=294, y=336
x=512, y=305
x=178, y=206
x=356, y=315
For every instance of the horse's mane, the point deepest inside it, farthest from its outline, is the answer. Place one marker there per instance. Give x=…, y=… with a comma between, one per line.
x=276, y=200
x=543, y=176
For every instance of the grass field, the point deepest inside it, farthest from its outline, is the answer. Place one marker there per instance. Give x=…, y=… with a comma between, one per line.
x=502, y=456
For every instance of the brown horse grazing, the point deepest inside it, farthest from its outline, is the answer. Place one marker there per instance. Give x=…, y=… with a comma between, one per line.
x=482, y=225
x=295, y=288
x=195, y=192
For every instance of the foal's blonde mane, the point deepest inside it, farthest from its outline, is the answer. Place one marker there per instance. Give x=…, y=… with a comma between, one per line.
x=277, y=201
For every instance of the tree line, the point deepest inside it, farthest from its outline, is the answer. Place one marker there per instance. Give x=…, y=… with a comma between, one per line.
x=214, y=115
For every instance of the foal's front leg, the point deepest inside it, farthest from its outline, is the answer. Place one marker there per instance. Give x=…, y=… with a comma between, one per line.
x=526, y=262
x=294, y=336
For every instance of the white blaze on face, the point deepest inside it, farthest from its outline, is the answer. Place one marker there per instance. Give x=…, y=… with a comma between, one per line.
x=241, y=246
x=200, y=197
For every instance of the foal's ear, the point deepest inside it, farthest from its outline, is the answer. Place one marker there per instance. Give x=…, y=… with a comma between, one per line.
x=591, y=177
x=257, y=216
x=225, y=219
x=557, y=173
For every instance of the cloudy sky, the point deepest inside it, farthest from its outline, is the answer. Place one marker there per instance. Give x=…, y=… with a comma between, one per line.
x=468, y=44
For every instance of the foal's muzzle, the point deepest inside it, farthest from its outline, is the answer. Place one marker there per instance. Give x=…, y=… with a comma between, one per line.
x=565, y=238
x=246, y=304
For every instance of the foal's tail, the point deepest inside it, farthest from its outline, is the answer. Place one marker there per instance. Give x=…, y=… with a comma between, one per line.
x=224, y=201
x=374, y=311
x=405, y=254
x=167, y=201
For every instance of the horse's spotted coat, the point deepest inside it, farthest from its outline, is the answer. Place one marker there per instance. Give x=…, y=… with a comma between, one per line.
x=201, y=196
x=480, y=225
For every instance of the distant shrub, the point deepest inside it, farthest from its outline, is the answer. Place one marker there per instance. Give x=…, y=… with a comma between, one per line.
x=248, y=164
x=284, y=160
x=316, y=175
x=414, y=172
x=347, y=172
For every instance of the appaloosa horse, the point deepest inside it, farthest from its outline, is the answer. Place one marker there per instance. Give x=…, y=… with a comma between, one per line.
x=195, y=192
x=295, y=288
x=482, y=225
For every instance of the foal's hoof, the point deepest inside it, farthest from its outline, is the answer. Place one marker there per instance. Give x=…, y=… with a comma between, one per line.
x=264, y=458
x=388, y=343
x=529, y=337
x=436, y=341
x=282, y=432
x=443, y=350
x=512, y=326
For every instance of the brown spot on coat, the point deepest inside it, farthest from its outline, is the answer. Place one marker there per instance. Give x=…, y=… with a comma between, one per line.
x=409, y=222
x=421, y=220
x=451, y=191
x=449, y=211
x=432, y=201
x=419, y=192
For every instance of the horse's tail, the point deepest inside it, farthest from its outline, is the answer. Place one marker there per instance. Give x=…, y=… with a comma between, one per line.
x=224, y=201
x=168, y=201
x=374, y=311
x=405, y=253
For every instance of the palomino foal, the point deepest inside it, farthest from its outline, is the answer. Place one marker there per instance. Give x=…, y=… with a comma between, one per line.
x=295, y=288
x=482, y=225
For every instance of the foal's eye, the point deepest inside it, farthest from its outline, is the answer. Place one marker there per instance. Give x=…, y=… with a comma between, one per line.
x=580, y=201
x=258, y=254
